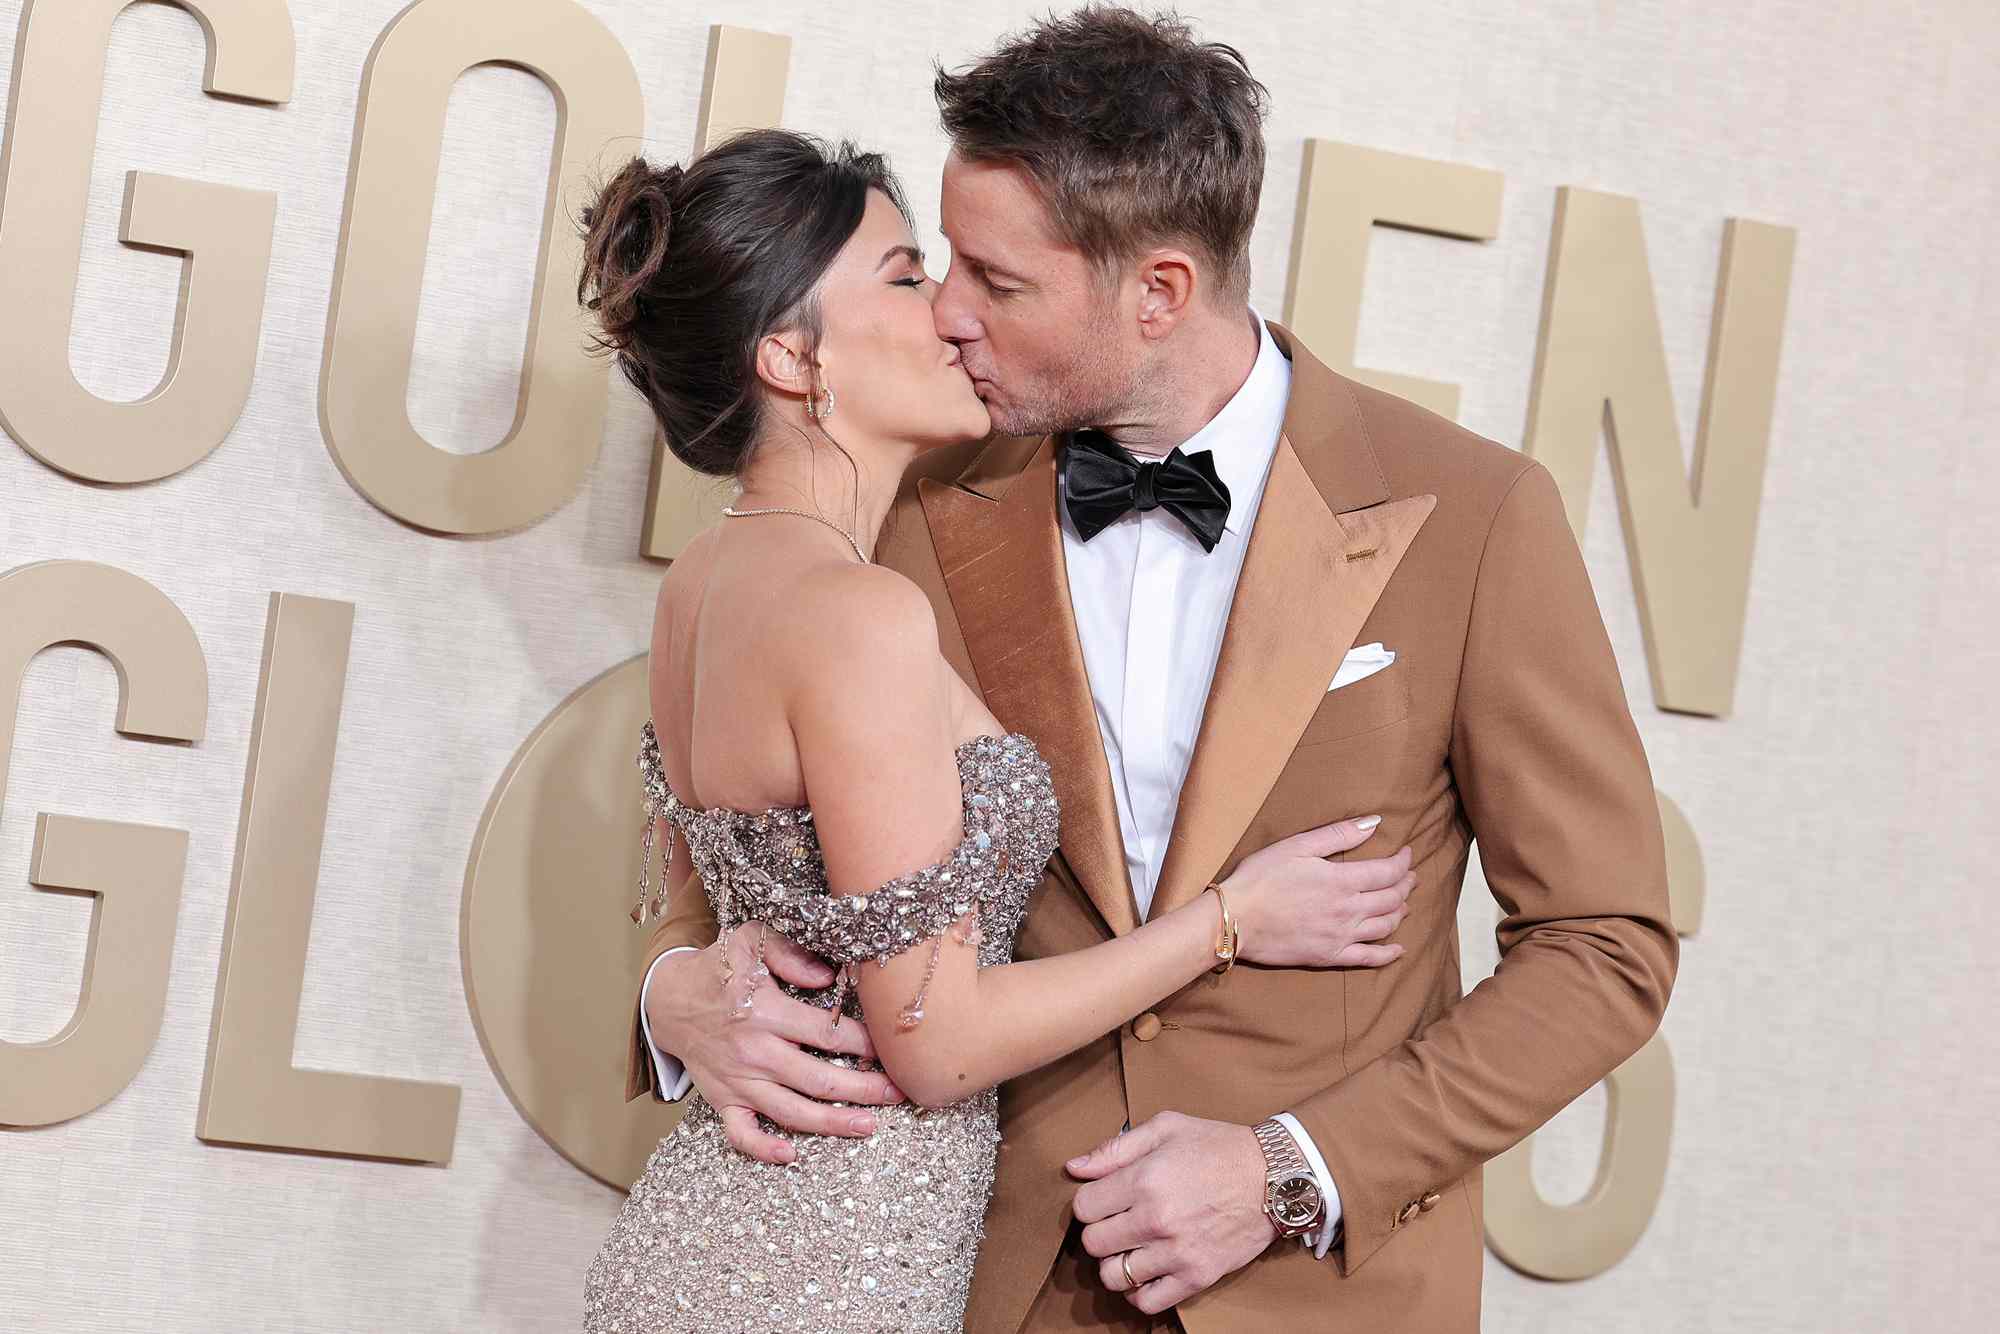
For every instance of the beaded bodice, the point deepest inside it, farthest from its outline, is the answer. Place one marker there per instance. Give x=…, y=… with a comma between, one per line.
x=767, y=866
x=876, y=1235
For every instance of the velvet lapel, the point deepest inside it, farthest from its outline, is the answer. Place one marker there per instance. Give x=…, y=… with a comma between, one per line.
x=999, y=546
x=1325, y=542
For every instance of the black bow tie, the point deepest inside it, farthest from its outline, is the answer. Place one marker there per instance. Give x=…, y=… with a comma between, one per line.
x=1101, y=481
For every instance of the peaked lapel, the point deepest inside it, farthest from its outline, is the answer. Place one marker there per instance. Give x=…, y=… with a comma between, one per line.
x=999, y=546
x=1325, y=541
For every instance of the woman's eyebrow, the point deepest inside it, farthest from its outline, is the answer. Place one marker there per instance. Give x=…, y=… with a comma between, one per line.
x=916, y=256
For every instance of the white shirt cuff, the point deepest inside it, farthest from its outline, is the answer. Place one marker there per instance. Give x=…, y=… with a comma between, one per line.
x=1322, y=1239
x=671, y=1081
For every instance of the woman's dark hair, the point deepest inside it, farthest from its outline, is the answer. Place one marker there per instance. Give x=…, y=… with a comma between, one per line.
x=687, y=269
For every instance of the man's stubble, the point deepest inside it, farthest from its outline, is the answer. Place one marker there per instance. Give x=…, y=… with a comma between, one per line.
x=1080, y=391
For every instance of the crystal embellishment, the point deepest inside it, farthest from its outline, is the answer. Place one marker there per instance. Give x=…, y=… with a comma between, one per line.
x=766, y=865
x=835, y=1232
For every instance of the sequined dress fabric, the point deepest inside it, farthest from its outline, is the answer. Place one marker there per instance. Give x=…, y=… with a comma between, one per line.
x=876, y=1234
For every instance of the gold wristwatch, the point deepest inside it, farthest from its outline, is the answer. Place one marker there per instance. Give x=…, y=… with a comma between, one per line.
x=1292, y=1199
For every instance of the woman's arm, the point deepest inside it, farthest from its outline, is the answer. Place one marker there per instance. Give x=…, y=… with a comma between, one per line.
x=983, y=1026
x=877, y=742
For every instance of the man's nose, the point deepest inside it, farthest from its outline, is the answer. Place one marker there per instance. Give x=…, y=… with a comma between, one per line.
x=949, y=312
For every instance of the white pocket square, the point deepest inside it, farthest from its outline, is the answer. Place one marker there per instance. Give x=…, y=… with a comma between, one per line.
x=1364, y=660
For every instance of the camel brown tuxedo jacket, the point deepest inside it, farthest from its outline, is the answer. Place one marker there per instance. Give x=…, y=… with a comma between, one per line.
x=1502, y=718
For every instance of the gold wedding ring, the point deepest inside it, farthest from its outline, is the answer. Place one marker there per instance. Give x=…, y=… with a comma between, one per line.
x=1125, y=1263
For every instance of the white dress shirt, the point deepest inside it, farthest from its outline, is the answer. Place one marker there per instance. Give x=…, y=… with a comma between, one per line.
x=1150, y=608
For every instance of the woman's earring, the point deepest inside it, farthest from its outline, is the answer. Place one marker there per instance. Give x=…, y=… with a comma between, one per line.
x=815, y=409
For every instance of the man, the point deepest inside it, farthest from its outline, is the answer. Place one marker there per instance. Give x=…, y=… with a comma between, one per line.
x=1252, y=597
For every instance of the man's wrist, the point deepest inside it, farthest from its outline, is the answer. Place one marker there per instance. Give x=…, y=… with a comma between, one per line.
x=671, y=1080
x=1331, y=1230
x=1294, y=1193
x=1260, y=1169
x=665, y=963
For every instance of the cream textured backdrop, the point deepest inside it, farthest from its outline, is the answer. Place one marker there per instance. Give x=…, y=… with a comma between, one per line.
x=1834, y=1161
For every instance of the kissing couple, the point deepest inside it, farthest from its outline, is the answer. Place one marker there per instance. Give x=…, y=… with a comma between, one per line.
x=1065, y=751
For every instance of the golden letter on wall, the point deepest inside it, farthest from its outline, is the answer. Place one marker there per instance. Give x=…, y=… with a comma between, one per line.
x=133, y=871
x=223, y=231
x=251, y=1093
x=1577, y=1240
x=744, y=89
x=1601, y=362
x=551, y=959
x=1570, y=1241
x=1687, y=875
x=1344, y=192
x=378, y=280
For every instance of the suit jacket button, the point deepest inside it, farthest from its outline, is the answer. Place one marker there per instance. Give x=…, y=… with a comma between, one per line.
x=1429, y=1202
x=1409, y=1212
x=1146, y=1027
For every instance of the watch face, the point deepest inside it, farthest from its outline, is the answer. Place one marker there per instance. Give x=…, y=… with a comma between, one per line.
x=1295, y=1201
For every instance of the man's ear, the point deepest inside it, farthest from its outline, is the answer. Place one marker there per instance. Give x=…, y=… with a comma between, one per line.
x=1167, y=281
x=782, y=364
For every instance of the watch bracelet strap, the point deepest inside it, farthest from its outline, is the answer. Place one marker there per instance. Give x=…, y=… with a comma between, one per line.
x=1282, y=1156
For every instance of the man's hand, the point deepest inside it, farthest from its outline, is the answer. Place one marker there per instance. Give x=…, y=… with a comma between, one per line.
x=1184, y=1196
x=748, y=1061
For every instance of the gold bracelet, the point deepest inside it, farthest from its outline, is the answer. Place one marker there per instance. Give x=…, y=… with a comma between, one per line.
x=1227, y=945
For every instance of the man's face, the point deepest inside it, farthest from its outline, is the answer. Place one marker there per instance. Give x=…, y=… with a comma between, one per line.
x=1039, y=331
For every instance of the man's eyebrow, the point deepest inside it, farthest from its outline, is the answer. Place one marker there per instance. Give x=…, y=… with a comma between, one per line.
x=990, y=268
x=985, y=264
x=916, y=256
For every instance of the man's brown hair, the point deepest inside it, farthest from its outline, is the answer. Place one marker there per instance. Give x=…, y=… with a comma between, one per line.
x=1134, y=132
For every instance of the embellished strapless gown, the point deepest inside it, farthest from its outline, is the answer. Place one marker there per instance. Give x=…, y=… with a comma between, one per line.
x=875, y=1234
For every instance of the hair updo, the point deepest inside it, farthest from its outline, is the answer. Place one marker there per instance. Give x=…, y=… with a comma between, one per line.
x=686, y=270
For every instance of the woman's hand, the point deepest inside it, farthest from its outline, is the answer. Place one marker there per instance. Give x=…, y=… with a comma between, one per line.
x=1295, y=909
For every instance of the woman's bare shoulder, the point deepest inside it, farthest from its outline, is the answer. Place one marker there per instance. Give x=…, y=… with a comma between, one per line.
x=864, y=661
x=853, y=613
x=690, y=569
x=869, y=701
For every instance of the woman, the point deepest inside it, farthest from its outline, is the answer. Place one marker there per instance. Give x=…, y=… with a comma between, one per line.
x=831, y=775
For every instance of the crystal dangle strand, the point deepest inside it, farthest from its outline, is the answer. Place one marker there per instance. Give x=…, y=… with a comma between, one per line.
x=654, y=905
x=762, y=970
x=913, y=1014
x=645, y=866
x=843, y=982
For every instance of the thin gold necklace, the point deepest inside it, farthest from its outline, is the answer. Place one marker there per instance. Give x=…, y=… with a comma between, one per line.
x=734, y=513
